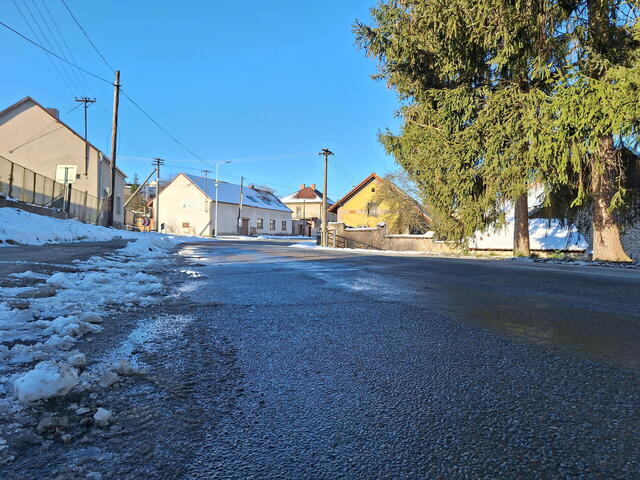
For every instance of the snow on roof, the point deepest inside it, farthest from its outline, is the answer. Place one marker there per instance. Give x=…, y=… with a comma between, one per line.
x=306, y=195
x=230, y=193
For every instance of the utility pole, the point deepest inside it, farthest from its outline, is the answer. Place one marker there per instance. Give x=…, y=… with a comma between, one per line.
x=206, y=189
x=324, y=240
x=86, y=101
x=240, y=206
x=157, y=162
x=215, y=232
x=114, y=143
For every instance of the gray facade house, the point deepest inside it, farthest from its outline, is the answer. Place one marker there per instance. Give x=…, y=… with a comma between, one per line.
x=35, y=138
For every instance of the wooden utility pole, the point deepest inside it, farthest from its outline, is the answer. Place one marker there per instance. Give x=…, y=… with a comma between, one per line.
x=86, y=101
x=114, y=143
x=240, y=206
x=324, y=240
x=156, y=211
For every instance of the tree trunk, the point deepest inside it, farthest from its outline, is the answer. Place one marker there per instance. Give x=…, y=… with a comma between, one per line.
x=521, y=227
x=607, y=244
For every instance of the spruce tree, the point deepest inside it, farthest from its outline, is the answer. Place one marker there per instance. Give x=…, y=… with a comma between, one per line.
x=494, y=102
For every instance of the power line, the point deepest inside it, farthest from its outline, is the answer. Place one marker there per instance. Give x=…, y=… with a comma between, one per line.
x=86, y=35
x=73, y=75
x=54, y=54
x=53, y=64
x=164, y=129
x=110, y=83
x=66, y=45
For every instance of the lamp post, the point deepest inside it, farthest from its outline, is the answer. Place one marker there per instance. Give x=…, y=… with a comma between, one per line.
x=215, y=231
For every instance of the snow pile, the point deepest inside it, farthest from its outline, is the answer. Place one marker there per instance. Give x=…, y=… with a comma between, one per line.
x=282, y=237
x=310, y=244
x=47, y=329
x=46, y=380
x=18, y=226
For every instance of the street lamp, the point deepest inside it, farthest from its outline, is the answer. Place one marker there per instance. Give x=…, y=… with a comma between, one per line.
x=215, y=231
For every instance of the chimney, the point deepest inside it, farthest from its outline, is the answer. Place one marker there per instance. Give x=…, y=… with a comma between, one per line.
x=313, y=186
x=302, y=186
x=54, y=111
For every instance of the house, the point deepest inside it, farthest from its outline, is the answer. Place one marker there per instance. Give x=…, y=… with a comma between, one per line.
x=359, y=207
x=35, y=138
x=306, y=205
x=187, y=207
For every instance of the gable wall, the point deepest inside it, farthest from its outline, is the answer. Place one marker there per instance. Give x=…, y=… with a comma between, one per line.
x=354, y=212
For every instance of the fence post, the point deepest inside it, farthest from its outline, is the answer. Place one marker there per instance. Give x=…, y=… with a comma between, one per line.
x=24, y=185
x=35, y=176
x=11, y=181
x=84, y=210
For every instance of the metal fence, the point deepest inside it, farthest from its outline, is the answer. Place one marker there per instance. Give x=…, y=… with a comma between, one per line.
x=20, y=183
x=338, y=241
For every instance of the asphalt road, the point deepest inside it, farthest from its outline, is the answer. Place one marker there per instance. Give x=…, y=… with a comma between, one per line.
x=272, y=362
x=347, y=365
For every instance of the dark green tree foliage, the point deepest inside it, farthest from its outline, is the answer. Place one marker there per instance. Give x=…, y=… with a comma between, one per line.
x=500, y=95
x=465, y=71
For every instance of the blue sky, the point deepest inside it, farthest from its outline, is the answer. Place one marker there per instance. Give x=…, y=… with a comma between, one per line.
x=258, y=79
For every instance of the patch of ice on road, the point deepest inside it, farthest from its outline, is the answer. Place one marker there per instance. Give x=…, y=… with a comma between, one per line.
x=46, y=380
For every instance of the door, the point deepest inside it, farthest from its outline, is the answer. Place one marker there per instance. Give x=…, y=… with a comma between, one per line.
x=244, y=228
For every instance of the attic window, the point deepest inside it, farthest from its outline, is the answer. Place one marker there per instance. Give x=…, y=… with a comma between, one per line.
x=373, y=189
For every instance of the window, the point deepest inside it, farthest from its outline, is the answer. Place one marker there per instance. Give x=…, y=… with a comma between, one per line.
x=372, y=209
x=298, y=212
x=118, y=205
x=284, y=225
x=185, y=224
x=260, y=223
x=272, y=224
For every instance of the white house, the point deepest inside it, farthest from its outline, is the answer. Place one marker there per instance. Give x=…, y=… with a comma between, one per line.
x=187, y=207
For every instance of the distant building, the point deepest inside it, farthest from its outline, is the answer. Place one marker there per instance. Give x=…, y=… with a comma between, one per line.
x=187, y=207
x=34, y=137
x=306, y=205
x=358, y=207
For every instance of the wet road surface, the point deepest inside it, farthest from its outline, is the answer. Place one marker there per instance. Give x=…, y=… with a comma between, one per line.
x=360, y=366
x=272, y=362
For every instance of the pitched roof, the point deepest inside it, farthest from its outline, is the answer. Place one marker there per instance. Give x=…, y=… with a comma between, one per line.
x=373, y=176
x=230, y=193
x=49, y=112
x=307, y=195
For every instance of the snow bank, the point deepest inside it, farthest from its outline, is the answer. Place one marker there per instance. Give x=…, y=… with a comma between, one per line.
x=48, y=329
x=31, y=229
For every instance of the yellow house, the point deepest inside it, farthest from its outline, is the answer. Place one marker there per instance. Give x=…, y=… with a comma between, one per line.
x=357, y=208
